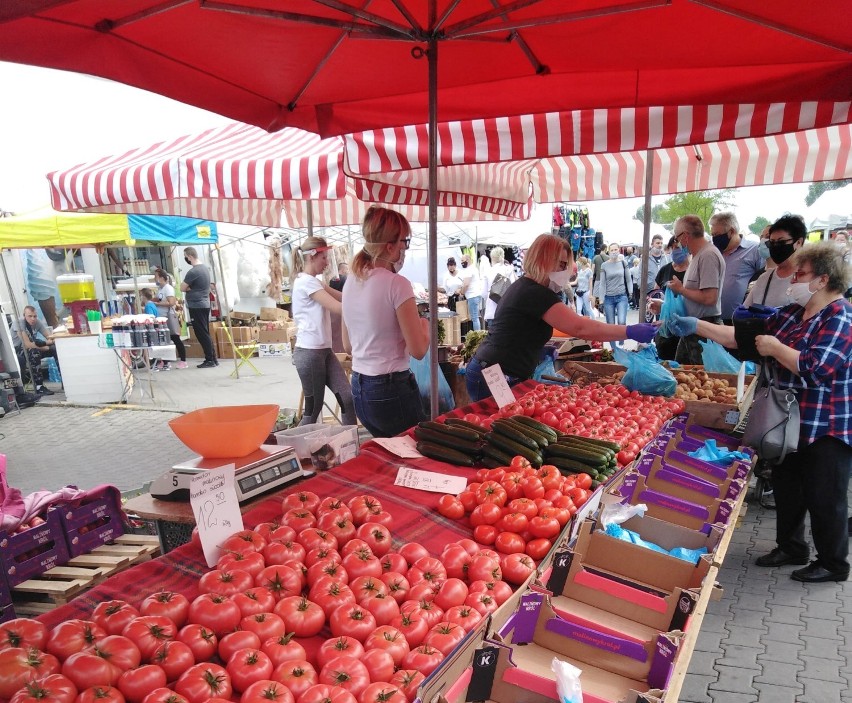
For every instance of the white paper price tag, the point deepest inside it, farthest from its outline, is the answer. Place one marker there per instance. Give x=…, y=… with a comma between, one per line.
x=496, y=382
x=741, y=382
x=217, y=511
x=403, y=447
x=429, y=481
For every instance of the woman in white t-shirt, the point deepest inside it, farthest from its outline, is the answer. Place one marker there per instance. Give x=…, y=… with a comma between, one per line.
x=167, y=307
x=382, y=329
x=498, y=266
x=316, y=362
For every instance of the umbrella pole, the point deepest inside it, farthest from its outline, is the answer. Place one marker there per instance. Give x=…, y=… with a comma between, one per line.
x=646, y=235
x=17, y=320
x=432, y=259
x=310, y=218
x=224, y=300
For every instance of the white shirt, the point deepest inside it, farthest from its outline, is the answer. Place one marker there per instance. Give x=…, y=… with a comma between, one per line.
x=369, y=313
x=452, y=284
x=474, y=287
x=312, y=319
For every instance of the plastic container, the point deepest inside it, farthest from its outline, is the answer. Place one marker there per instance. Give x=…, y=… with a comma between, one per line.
x=76, y=286
x=227, y=432
x=297, y=437
x=332, y=445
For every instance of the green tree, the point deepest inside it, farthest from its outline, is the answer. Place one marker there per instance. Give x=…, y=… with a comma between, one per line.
x=759, y=223
x=701, y=202
x=817, y=189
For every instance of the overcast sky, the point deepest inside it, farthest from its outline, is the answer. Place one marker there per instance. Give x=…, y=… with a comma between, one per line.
x=53, y=120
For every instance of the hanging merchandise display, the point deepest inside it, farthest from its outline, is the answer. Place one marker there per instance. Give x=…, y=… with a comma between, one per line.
x=572, y=223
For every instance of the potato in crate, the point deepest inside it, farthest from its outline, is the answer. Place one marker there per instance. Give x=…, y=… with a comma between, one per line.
x=34, y=548
x=93, y=520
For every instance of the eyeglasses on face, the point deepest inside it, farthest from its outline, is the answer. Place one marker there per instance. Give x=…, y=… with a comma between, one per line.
x=801, y=273
x=406, y=241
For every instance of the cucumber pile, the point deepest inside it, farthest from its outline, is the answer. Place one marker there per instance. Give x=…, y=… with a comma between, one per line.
x=462, y=443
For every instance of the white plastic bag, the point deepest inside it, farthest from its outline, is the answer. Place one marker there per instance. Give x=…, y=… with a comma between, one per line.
x=617, y=513
x=567, y=681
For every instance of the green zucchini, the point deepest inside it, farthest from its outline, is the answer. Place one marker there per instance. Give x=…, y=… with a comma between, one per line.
x=440, y=452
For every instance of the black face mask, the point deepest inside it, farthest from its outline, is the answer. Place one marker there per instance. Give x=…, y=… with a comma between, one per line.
x=464, y=264
x=721, y=241
x=779, y=252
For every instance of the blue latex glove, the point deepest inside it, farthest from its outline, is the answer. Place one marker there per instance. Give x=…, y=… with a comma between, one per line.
x=643, y=332
x=682, y=326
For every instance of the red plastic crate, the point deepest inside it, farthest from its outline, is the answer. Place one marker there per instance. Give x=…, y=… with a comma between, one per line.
x=34, y=551
x=92, y=522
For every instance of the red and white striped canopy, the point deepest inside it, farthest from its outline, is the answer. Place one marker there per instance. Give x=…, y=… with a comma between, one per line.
x=487, y=169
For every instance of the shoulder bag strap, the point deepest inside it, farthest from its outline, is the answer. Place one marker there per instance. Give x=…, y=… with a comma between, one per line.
x=768, y=283
x=628, y=287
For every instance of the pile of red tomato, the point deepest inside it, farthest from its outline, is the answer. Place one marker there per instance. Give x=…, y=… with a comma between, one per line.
x=608, y=412
x=314, y=608
x=518, y=509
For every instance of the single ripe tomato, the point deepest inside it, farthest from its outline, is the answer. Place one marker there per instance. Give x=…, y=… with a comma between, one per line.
x=451, y=507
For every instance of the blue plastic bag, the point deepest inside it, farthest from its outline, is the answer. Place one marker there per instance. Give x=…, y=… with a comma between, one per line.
x=644, y=374
x=717, y=359
x=420, y=369
x=690, y=555
x=673, y=304
x=722, y=456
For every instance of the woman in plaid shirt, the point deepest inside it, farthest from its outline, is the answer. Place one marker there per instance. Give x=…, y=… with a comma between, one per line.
x=810, y=344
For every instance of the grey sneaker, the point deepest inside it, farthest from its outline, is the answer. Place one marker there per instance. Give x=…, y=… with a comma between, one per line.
x=767, y=500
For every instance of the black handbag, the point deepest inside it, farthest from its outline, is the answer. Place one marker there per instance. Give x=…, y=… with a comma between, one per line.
x=773, y=420
x=499, y=286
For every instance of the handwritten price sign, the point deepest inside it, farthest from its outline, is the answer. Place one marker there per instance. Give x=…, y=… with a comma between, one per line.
x=217, y=511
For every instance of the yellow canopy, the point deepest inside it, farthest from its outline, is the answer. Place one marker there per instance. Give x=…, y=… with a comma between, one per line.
x=48, y=228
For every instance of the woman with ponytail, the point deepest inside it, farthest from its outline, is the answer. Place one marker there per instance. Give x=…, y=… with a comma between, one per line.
x=316, y=363
x=382, y=328
x=167, y=305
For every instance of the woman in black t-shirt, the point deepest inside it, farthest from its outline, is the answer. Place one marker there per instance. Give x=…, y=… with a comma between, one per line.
x=527, y=314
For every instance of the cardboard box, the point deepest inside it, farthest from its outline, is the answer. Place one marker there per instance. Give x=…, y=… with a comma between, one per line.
x=35, y=550
x=659, y=472
x=701, y=516
x=194, y=350
x=273, y=336
x=614, y=667
x=266, y=350
x=225, y=350
x=274, y=314
x=243, y=319
x=672, y=455
x=637, y=588
x=452, y=330
x=92, y=522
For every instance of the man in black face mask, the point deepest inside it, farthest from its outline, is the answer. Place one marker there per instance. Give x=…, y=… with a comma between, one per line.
x=196, y=286
x=743, y=261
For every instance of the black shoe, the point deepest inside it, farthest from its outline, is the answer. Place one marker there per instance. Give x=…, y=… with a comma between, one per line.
x=767, y=500
x=207, y=365
x=817, y=573
x=43, y=390
x=778, y=557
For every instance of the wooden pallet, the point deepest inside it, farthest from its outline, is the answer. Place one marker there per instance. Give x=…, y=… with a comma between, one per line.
x=62, y=584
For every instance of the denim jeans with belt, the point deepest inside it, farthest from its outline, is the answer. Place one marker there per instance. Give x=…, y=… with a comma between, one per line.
x=387, y=404
x=477, y=388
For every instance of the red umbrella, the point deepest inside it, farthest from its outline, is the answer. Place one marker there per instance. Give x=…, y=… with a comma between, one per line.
x=333, y=66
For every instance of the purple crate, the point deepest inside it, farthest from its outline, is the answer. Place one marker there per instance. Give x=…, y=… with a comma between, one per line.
x=7, y=609
x=91, y=523
x=34, y=551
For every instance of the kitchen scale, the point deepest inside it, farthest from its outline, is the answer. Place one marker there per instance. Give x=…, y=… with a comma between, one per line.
x=263, y=470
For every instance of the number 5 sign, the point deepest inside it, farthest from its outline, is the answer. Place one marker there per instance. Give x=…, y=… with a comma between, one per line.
x=217, y=511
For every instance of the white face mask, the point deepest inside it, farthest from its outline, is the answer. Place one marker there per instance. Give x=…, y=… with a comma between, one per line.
x=800, y=292
x=613, y=256
x=397, y=265
x=558, y=280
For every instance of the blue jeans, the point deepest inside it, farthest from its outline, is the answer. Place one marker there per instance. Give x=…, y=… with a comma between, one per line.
x=615, y=306
x=474, y=306
x=387, y=404
x=581, y=300
x=477, y=388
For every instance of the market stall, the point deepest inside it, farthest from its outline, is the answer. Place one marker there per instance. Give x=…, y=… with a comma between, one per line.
x=92, y=371
x=564, y=593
